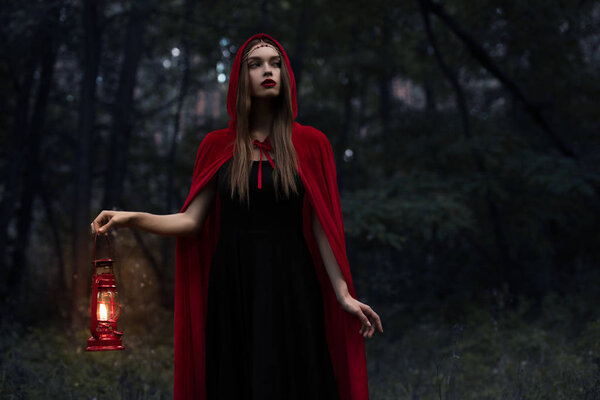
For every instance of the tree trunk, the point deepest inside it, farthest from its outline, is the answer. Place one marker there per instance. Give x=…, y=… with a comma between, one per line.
x=22, y=85
x=502, y=259
x=63, y=303
x=123, y=105
x=300, y=51
x=345, y=139
x=486, y=62
x=48, y=50
x=385, y=92
x=164, y=274
x=80, y=268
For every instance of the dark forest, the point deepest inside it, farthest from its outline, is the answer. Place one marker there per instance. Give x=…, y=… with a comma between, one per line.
x=467, y=143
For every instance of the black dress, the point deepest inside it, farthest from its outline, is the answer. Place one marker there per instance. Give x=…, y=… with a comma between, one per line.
x=265, y=333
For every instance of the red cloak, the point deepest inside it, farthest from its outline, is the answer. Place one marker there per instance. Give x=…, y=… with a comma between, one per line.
x=194, y=254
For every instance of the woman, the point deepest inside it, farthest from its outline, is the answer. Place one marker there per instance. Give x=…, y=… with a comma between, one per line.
x=265, y=307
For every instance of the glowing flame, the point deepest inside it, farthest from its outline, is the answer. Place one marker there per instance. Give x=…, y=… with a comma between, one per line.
x=102, y=312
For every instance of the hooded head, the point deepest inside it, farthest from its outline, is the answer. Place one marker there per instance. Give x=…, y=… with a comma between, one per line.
x=234, y=78
x=239, y=103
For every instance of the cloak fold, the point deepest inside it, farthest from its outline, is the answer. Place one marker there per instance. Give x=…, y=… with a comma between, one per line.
x=316, y=167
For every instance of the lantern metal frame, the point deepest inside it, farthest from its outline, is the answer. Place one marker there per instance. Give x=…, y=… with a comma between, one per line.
x=105, y=335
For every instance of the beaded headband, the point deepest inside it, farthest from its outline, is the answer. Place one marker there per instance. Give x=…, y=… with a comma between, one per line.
x=257, y=46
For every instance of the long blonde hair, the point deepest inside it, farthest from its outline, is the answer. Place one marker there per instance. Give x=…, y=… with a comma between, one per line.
x=284, y=175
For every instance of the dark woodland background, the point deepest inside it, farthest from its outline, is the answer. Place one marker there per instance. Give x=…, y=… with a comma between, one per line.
x=466, y=137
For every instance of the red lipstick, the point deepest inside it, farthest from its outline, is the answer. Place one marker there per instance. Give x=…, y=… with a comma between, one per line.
x=268, y=83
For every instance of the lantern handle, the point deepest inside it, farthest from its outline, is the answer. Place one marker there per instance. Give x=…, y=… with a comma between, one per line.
x=95, y=242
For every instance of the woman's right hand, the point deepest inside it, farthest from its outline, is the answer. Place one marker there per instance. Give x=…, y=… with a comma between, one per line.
x=109, y=219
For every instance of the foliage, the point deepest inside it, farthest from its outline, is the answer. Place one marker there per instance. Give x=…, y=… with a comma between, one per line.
x=491, y=190
x=405, y=205
x=489, y=353
x=49, y=362
x=547, y=350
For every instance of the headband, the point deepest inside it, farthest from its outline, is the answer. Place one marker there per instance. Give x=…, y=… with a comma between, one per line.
x=260, y=45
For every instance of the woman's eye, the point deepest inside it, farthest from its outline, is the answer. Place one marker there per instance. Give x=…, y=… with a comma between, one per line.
x=254, y=64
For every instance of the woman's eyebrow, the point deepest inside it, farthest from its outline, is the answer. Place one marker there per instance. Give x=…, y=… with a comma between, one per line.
x=259, y=58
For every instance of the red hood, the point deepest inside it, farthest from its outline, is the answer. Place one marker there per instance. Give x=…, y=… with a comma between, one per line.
x=235, y=74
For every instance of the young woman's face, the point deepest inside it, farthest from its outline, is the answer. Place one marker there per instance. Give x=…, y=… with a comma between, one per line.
x=264, y=68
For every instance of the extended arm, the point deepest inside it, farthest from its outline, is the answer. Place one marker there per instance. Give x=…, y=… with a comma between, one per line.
x=333, y=269
x=187, y=223
x=369, y=318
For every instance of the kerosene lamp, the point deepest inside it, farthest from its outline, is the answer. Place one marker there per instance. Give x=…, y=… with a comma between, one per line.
x=104, y=306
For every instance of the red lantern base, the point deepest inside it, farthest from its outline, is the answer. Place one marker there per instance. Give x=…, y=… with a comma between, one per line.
x=101, y=344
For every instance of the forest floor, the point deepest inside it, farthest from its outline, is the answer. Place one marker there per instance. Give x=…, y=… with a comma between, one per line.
x=544, y=350
x=550, y=350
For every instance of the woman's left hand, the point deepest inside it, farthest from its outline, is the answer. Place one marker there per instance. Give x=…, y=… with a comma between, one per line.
x=369, y=318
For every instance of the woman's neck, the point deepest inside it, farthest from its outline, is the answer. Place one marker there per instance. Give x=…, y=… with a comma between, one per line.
x=261, y=118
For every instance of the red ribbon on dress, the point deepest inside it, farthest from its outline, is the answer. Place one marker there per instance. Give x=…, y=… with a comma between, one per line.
x=264, y=146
